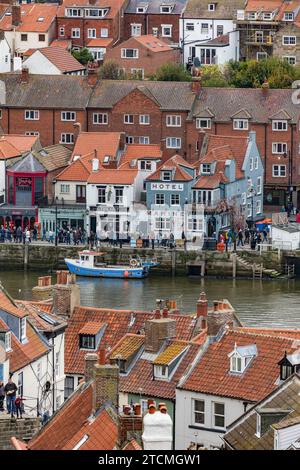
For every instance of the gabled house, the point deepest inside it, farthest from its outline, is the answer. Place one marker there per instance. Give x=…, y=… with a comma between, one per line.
x=236, y=370
x=140, y=56
x=208, y=33
x=271, y=424
x=5, y=54
x=230, y=170
x=53, y=60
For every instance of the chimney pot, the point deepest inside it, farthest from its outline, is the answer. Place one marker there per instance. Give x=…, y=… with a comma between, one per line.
x=24, y=75
x=157, y=313
x=216, y=305
x=202, y=305
x=15, y=15
x=165, y=312
x=102, y=355
x=152, y=409
x=126, y=410
x=163, y=410
x=92, y=77
x=137, y=409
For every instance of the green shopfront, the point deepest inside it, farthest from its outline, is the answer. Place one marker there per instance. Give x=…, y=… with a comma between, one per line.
x=57, y=217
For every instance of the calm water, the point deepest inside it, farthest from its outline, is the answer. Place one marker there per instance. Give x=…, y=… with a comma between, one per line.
x=257, y=303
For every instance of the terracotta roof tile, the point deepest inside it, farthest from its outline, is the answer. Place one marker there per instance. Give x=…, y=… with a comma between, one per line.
x=34, y=18
x=118, y=323
x=113, y=5
x=105, y=143
x=91, y=328
x=61, y=58
x=127, y=346
x=65, y=43
x=179, y=164
x=140, y=151
x=113, y=176
x=132, y=445
x=153, y=43
x=76, y=171
x=100, y=42
x=8, y=305
x=211, y=373
x=14, y=145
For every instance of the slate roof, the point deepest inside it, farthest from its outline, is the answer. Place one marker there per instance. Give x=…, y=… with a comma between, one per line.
x=114, y=6
x=177, y=95
x=46, y=91
x=261, y=104
x=71, y=423
x=212, y=375
x=118, y=323
x=225, y=10
x=154, y=6
x=28, y=164
x=241, y=434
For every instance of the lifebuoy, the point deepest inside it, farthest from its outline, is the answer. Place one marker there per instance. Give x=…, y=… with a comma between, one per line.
x=133, y=263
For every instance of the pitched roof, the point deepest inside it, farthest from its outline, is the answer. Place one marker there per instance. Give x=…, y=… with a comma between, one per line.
x=118, y=323
x=140, y=378
x=178, y=165
x=46, y=91
x=71, y=423
x=260, y=104
x=79, y=170
x=100, y=42
x=241, y=434
x=41, y=316
x=113, y=176
x=28, y=164
x=212, y=374
x=65, y=43
x=60, y=58
x=212, y=181
x=14, y=145
x=177, y=95
x=105, y=143
x=23, y=354
x=7, y=304
x=224, y=10
x=91, y=328
x=170, y=353
x=135, y=152
x=54, y=157
x=127, y=346
x=113, y=5
x=153, y=7
x=132, y=445
x=153, y=43
x=35, y=17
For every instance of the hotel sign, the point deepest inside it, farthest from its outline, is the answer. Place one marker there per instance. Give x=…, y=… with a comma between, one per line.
x=166, y=187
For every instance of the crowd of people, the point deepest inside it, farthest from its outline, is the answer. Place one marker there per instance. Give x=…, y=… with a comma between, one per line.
x=249, y=236
x=17, y=235
x=14, y=402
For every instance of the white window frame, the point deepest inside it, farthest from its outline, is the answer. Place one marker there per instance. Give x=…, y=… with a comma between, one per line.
x=251, y=164
x=167, y=8
x=278, y=169
x=23, y=324
x=256, y=162
x=100, y=119
x=289, y=40
x=236, y=364
x=211, y=7
x=289, y=16
x=276, y=123
x=101, y=194
x=202, y=120
x=91, y=33
x=145, y=165
x=261, y=55
x=75, y=33
x=197, y=412
x=190, y=27
x=204, y=28
x=64, y=188
x=275, y=146
x=144, y=119
x=161, y=372
x=163, y=32
x=8, y=341
x=160, y=199
x=68, y=116
x=67, y=138
x=32, y=115
x=170, y=143
x=215, y=414
x=137, y=73
x=124, y=53
x=144, y=140
x=244, y=199
x=127, y=119
x=166, y=175
x=173, y=120
x=258, y=206
x=104, y=32
x=62, y=31
x=206, y=168
x=136, y=29
x=243, y=122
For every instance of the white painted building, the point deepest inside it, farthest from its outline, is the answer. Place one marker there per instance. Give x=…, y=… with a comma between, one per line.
x=286, y=237
x=5, y=56
x=2, y=181
x=53, y=61
x=208, y=32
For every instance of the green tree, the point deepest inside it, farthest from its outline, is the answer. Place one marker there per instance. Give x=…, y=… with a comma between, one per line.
x=172, y=72
x=213, y=76
x=83, y=56
x=111, y=71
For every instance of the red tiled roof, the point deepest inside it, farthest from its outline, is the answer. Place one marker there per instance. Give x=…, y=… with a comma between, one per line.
x=91, y=328
x=105, y=143
x=211, y=374
x=118, y=323
x=14, y=145
x=212, y=181
x=79, y=170
x=132, y=445
x=113, y=176
x=9, y=306
x=127, y=346
x=34, y=311
x=61, y=58
x=3, y=326
x=23, y=354
x=35, y=17
x=70, y=424
x=101, y=42
x=140, y=151
x=153, y=43
x=176, y=162
x=140, y=378
x=64, y=43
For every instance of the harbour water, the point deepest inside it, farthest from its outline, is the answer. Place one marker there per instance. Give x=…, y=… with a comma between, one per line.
x=257, y=303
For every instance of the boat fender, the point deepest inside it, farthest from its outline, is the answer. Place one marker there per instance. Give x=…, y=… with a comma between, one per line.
x=126, y=273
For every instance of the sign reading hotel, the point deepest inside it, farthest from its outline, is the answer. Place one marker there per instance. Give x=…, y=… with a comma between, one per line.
x=167, y=186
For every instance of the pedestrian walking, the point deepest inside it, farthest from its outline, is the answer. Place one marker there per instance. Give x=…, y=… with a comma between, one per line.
x=19, y=406
x=10, y=390
x=240, y=238
x=2, y=396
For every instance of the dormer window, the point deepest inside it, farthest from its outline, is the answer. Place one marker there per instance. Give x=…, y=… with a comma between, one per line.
x=289, y=16
x=268, y=16
x=142, y=8
x=166, y=8
x=252, y=15
x=23, y=330
x=161, y=372
x=240, y=124
x=203, y=123
x=8, y=341
x=211, y=6
x=206, y=168
x=286, y=368
x=166, y=175
x=241, y=357
x=87, y=342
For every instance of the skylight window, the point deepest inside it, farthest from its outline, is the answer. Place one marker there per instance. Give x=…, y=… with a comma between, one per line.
x=40, y=19
x=81, y=442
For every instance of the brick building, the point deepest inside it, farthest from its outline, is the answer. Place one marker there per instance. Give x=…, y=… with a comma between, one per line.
x=156, y=17
x=141, y=56
x=83, y=20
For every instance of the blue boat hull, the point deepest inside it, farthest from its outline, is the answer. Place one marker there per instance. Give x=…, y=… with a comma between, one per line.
x=108, y=272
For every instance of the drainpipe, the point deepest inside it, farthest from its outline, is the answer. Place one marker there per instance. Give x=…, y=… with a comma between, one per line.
x=265, y=159
x=53, y=375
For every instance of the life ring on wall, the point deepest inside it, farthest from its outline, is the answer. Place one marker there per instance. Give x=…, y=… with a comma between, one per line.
x=133, y=263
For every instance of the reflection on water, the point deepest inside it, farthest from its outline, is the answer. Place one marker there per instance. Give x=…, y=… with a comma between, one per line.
x=258, y=303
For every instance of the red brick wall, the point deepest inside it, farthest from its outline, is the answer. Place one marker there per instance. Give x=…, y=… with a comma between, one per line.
x=151, y=21
x=84, y=25
x=147, y=60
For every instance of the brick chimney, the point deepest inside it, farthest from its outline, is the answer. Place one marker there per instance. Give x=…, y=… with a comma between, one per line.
x=24, y=75
x=43, y=291
x=222, y=315
x=122, y=144
x=202, y=310
x=15, y=15
x=92, y=76
x=157, y=331
x=265, y=86
x=66, y=294
x=90, y=360
x=106, y=383
x=77, y=130
x=130, y=424
x=196, y=85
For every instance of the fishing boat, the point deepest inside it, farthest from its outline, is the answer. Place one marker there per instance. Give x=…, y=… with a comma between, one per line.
x=88, y=265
